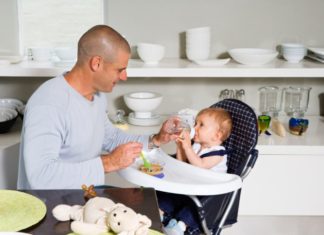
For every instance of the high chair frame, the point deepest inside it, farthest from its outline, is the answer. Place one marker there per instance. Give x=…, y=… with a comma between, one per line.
x=241, y=159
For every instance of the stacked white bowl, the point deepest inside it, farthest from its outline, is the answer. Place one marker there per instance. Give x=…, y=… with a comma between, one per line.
x=293, y=52
x=198, y=43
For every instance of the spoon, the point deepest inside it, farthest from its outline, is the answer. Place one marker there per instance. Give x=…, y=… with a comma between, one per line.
x=147, y=164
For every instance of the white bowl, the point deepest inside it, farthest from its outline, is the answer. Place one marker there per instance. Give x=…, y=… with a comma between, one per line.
x=150, y=53
x=41, y=54
x=66, y=53
x=252, y=56
x=293, y=58
x=143, y=102
x=11, y=103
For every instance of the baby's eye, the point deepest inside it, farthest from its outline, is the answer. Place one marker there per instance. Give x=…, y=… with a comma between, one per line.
x=118, y=223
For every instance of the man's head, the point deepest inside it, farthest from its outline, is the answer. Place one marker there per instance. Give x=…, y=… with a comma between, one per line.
x=105, y=54
x=101, y=40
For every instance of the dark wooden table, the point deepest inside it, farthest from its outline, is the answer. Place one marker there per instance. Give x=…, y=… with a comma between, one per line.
x=142, y=200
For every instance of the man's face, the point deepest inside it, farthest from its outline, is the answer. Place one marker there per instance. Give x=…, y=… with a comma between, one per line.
x=110, y=73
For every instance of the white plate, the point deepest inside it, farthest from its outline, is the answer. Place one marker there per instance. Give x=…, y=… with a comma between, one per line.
x=152, y=121
x=315, y=58
x=319, y=51
x=64, y=63
x=13, y=59
x=253, y=56
x=212, y=63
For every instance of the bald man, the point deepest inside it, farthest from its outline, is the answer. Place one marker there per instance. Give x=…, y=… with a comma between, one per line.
x=67, y=139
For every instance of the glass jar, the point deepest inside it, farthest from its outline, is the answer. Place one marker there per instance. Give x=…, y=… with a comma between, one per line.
x=270, y=100
x=296, y=101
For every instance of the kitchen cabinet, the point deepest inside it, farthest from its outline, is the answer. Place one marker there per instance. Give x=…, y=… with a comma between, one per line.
x=287, y=177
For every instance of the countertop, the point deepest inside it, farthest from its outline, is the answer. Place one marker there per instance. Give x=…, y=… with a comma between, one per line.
x=311, y=142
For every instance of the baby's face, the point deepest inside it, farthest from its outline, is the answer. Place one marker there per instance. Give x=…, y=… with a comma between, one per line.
x=205, y=129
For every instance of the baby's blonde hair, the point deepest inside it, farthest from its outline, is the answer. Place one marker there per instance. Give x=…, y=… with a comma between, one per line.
x=222, y=117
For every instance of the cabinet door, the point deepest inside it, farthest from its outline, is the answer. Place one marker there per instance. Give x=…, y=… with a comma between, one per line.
x=284, y=185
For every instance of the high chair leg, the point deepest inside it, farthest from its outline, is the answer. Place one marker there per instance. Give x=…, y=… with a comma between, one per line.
x=203, y=221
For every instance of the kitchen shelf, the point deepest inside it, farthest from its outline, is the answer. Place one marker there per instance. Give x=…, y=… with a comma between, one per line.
x=172, y=67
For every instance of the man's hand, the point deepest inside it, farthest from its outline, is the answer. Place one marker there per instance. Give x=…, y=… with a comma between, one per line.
x=168, y=131
x=121, y=157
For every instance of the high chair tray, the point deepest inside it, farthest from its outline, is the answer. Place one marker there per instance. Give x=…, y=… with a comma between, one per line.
x=180, y=177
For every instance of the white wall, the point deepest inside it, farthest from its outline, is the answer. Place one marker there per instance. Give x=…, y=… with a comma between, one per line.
x=243, y=23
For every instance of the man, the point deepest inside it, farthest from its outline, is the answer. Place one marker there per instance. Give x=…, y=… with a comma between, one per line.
x=66, y=129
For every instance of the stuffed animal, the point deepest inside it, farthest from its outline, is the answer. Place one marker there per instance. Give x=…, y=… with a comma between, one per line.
x=101, y=215
x=125, y=221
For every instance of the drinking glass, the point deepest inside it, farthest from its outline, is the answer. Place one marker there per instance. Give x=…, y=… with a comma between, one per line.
x=296, y=101
x=270, y=100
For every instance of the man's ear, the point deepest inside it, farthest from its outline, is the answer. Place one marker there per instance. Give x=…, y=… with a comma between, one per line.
x=95, y=62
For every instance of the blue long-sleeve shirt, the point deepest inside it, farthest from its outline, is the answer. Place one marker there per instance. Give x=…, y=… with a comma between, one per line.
x=63, y=136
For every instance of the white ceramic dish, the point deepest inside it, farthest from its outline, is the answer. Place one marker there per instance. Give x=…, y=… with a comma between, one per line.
x=66, y=53
x=181, y=178
x=315, y=58
x=150, y=53
x=212, y=63
x=252, y=56
x=12, y=59
x=154, y=120
x=318, y=52
x=143, y=102
x=64, y=63
x=11, y=103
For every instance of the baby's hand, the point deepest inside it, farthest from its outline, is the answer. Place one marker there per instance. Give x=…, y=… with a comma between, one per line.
x=184, y=138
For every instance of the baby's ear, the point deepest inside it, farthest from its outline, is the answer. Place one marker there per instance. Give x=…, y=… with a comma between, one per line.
x=218, y=135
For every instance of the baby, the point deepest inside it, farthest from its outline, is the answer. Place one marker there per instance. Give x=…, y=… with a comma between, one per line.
x=212, y=127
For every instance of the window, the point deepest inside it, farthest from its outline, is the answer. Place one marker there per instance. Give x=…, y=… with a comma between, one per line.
x=54, y=23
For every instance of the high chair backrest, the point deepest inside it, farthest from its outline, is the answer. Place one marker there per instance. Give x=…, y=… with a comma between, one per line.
x=244, y=135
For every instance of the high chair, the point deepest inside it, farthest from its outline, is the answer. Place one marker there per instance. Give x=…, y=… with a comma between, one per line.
x=216, y=195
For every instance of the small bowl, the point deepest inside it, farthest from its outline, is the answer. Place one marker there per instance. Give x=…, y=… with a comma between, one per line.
x=8, y=118
x=66, y=53
x=150, y=53
x=41, y=54
x=253, y=56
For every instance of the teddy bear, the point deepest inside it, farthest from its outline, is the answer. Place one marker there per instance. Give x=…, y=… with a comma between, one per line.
x=100, y=215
